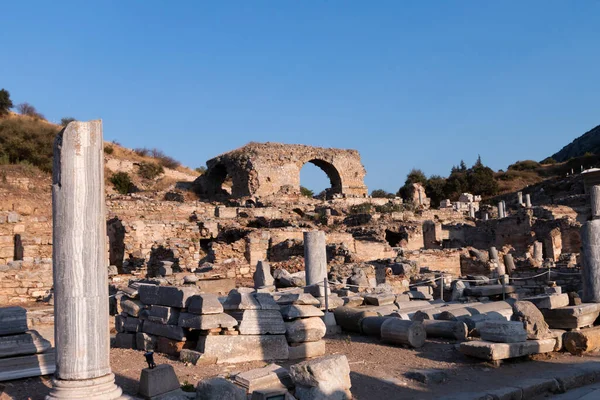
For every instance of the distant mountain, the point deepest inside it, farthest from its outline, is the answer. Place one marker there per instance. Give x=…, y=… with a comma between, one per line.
x=589, y=142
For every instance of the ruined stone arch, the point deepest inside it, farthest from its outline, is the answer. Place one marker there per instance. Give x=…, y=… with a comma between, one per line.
x=267, y=169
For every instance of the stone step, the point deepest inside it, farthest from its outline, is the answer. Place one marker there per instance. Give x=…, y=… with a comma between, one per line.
x=500, y=351
x=243, y=348
x=549, y=302
x=294, y=311
x=29, y=342
x=206, y=321
x=572, y=317
x=27, y=366
x=259, y=322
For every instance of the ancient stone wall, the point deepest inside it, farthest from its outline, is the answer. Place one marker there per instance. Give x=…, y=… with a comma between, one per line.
x=266, y=169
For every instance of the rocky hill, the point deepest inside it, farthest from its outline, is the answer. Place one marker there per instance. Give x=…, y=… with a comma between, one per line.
x=589, y=142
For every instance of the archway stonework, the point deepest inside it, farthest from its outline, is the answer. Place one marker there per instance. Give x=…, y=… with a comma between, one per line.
x=264, y=169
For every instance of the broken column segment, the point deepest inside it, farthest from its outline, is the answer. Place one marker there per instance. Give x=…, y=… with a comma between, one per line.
x=80, y=263
x=590, y=242
x=315, y=257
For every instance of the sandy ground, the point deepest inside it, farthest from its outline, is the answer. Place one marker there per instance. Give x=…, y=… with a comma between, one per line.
x=377, y=369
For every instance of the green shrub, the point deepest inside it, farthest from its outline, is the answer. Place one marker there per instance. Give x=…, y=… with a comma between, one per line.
x=122, y=182
x=27, y=139
x=201, y=170
x=67, y=120
x=150, y=170
x=5, y=102
x=109, y=149
x=382, y=194
x=363, y=208
x=388, y=208
x=141, y=151
x=306, y=192
x=527, y=165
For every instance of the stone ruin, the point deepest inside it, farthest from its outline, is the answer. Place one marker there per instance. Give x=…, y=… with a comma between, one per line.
x=213, y=282
x=268, y=169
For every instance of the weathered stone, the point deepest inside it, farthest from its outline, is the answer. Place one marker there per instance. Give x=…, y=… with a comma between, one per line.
x=322, y=378
x=21, y=344
x=582, y=341
x=315, y=257
x=489, y=290
x=334, y=302
x=125, y=341
x=169, y=346
x=158, y=381
x=317, y=290
x=169, y=331
x=350, y=318
x=259, y=322
x=27, y=366
x=249, y=301
x=532, y=319
x=300, y=311
x=219, y=389
x=549, y=301
x=13, y=320
x=572, y=317
x=204, y=304
x=163, y=315
x=127, y=324
x=503, y=331
x=446, y=329
x=207, y=321
x=305, y=330
x=243, y=348
x=458, y=289
x=284, y=279
x=79, y=260
x=380, y=299
x=353, y=301
x=196, y=358
x=305, y=299
x=500, y=351
x=190, y=279
x=272, y=376
x=398, y=331
x=307, y=350
x=145, y=342
x=262, y=276
x=131, y=307
x=166, y=295
x=427, y=375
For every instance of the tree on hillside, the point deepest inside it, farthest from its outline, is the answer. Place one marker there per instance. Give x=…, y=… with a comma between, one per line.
x=414, y=176
x=306, y=192
x=435, y=189
x=67, y=120
x=29, y=110
x=5, y=102
x=481, y=179
x=381, y=194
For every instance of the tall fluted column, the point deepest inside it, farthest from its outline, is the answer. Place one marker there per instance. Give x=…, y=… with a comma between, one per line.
x=590, y=251
x=315, y=257
x=80, y=273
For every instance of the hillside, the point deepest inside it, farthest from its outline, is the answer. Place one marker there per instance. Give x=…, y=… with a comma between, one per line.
x=589, y=142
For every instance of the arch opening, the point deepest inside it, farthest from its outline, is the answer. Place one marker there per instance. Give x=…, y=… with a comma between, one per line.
x=313, y=179
x=218, y=181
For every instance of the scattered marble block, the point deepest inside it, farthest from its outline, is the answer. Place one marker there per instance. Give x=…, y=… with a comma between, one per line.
x=500, y=351
x=572, y=317
x=427, y=375
x=503, y=331
x=380, y=299
x=145, y=342
x=272, y=376
x=271, y=394
x=305, y=299
x=170, y=347
x=13, y=320
x=27, y=366
x=293, y=311
x=127, y=324
x=415, y=295
x=204, y=304
x=125, y=340
x=158, y=381
x=353, y=301
x=169, y=331
x=163, y=315
x=334, y=302
x=237, y=300
x=331, y=324
x=170, y=296
x=549, y=302
x=299, y=351
x=242, y=348
x=206, y=321
x=196, y=358
x=553, y=290
x=219, y=388
x=323, y=378
x=259, y=322
x=305, y=330
x=488, y=290
x=131, y=307
x=22, y=344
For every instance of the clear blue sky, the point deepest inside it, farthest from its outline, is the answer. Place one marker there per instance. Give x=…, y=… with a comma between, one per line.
x=407, y=83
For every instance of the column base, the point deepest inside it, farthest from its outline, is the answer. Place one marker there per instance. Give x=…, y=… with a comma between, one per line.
x=102, y=388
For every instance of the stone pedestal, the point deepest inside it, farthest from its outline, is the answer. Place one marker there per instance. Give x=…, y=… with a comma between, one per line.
x=158, y=381
x=80, y=264
x=315, y=257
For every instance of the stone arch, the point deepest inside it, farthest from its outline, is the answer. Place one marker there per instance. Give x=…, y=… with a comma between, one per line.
x=331, y=171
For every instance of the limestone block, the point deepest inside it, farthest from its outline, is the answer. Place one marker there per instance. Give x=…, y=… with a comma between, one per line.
x=305, y=330
x=380, y=299
x=168, y=346
x=13, y=320
x=145, y=342
x=307, y=350
x=334, y=302
x=259, y=322
x=127, y=324
x=125, y=341
x=219, y=389
x=163, y=315
x=323, y=378
x=158, y=381
x=243, y=348
x=169, y=331
x=353, y=301
x=166, y=295
x=270, y=377
x=207, y=321
x=196, y=358
x=205, y=303
x=262, y=276
x=20, y=344
x=488, y=290
x=503, y=331
x=572, y=317
x=293, y=311
x=27, y=366
x=549, y=302
x=501, y=351
x=532, y=318
x=298, y=299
